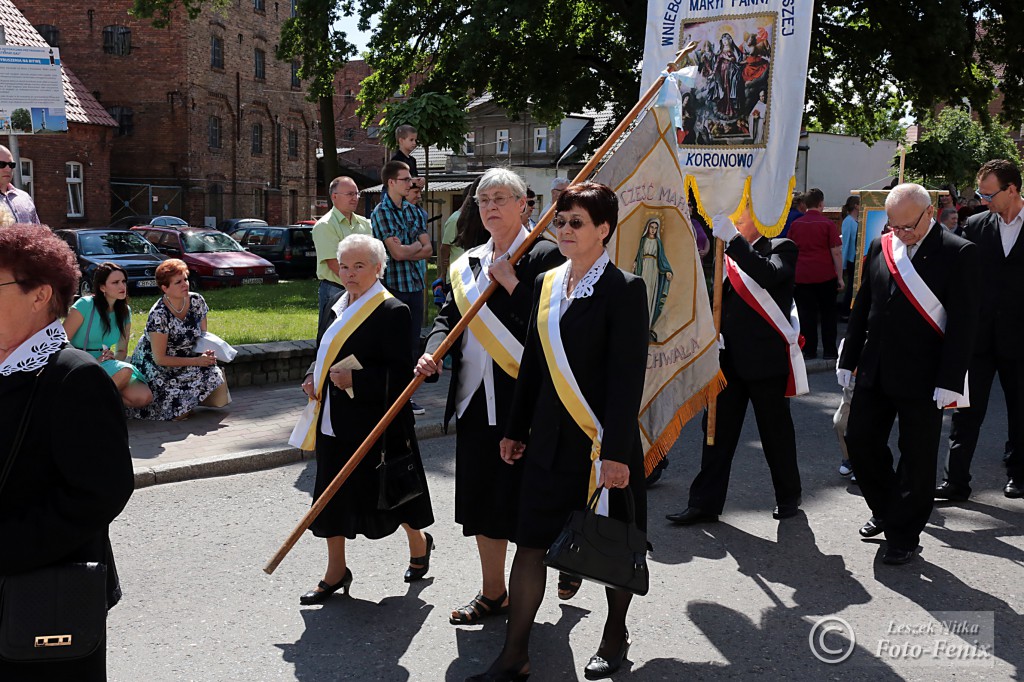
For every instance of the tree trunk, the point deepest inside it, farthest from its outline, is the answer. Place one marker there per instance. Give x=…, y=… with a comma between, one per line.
x=329, y=140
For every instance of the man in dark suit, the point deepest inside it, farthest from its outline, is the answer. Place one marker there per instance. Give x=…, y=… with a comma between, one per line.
x=996, y=234
x=911, y=355
x=755, y=359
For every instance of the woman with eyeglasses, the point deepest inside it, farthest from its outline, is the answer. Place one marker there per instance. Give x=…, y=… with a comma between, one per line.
x=485, y=363
x=573, y=426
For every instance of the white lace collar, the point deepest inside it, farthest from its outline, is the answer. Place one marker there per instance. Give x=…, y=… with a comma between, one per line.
x=585, y=287
x=35, y=351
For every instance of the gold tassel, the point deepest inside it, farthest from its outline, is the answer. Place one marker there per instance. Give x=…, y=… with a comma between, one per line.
x=696, y=404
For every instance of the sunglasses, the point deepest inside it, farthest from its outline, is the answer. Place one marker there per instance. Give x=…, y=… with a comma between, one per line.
x=560, y=222
x=531, y=202
x=14, y=164
x=977, y=190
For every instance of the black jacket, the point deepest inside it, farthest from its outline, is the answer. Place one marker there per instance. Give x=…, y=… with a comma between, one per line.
x=752, y=346
x=512, y=309
x=891, y=345
x=74, y=473
x=606, y=337
x=1001, y=287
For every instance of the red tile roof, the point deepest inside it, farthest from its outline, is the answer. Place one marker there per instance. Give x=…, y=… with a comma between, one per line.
x=80, y=105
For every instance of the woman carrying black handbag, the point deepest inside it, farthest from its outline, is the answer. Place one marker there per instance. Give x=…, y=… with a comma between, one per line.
x=574, y=416
x=69, y=477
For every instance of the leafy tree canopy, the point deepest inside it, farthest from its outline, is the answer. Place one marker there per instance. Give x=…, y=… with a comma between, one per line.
x=868, y=57
x=954, y=147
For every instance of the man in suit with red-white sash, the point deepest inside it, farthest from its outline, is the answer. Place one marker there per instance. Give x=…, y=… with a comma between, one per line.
x=762, y=364
x=909, y=339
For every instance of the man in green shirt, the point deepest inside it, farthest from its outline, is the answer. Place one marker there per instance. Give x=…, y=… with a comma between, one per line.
x=335, y=225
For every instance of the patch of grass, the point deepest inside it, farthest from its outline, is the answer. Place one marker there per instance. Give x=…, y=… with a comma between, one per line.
x=286, y=311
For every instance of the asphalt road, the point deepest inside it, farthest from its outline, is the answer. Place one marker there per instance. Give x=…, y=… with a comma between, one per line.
x=732, y=600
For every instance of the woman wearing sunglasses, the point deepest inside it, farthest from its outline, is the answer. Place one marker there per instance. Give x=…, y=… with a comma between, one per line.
x=574, y=417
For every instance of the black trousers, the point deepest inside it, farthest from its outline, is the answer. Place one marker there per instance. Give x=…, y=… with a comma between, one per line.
x=849, y=274
x=902, y=497
x=778, y=440
x=966, y=423
x=817, y=303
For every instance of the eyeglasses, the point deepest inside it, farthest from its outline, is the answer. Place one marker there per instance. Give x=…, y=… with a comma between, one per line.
x=908, y=228
x=498, y=201
x=349, y=194
x=13, y=281
x=409, y=179
x=560, y=222
x=10, y=164
x=989, y=197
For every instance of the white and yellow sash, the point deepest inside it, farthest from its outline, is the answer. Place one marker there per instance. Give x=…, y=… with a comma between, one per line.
x=501, y=344
x=550, y=332
x=304, y=434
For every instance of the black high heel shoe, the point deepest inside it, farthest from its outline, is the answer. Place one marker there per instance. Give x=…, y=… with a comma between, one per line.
x=325, y=591
x=414, y=574
x=519, y=675
x=599, y=667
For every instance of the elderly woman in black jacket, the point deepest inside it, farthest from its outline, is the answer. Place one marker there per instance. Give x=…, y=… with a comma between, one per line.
x=72, y=474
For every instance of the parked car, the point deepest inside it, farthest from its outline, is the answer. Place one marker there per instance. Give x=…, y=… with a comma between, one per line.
x=290, y=248
x=232, y=224
x=130, y=221
x=128, y=249
x=214, y=259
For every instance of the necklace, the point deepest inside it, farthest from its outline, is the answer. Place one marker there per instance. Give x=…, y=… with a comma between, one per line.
x=176, y=311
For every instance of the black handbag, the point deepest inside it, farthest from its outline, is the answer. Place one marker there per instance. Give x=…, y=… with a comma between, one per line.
x=604, y=550
x=400, y=477
x=53, y=613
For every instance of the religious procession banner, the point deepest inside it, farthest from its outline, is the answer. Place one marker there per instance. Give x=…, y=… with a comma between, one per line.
x=654, y=240
x=741, y=98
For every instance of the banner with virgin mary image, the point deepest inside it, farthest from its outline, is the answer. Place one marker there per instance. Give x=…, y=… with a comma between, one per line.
x=741, y=98
x=655, y=241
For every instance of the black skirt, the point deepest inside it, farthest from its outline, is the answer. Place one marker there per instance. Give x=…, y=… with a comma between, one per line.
x=353, y=509
x=486, y=488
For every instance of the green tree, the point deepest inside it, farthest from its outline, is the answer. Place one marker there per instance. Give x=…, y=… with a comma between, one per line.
x=868, y=57
x=21, y=119
x=953, y=147
x=439, y=120
x=308, y=37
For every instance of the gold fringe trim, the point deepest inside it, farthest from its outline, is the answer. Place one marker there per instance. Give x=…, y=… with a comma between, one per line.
x=769, y=230
x=688, y=410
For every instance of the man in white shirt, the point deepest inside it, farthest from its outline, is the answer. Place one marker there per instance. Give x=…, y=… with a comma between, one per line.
x=1000, y=331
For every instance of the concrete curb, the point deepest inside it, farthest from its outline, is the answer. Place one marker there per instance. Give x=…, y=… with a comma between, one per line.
x=255, y=460
x=242, y=462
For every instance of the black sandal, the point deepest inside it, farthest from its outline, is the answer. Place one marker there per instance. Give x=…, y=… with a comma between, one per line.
x=568, y=585
x=479, y=608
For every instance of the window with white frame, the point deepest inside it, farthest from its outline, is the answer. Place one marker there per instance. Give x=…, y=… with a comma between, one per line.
x=540, y=139
x=26, y=178
x=73, y=178
x=502, y=140
x=470, y=144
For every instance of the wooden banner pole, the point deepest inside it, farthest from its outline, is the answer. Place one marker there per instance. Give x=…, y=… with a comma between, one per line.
x=717, y=314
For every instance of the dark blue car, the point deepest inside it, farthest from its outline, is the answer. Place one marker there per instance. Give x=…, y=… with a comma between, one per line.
x=128, y=249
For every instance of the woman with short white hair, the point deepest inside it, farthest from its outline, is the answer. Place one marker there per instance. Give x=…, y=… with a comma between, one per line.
x=485, y=363
x=362, y=365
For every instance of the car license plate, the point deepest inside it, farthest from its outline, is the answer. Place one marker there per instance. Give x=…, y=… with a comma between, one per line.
x=252, y=280
x=147, y=283
x=311, y=254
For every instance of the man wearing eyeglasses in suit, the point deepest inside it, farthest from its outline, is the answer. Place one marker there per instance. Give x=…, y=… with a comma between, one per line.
x=909, y=339
x=996, y=233
x=19, y=203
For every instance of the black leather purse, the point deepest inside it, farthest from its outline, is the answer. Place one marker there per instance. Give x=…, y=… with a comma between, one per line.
x=53, y=613
x=400, y=477
x=604, y=550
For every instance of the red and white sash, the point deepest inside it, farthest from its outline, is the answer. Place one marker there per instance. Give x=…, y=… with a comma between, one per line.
x=924, y=300
x=754, y=295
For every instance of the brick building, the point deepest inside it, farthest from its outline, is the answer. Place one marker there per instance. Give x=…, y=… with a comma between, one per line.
x=210, y=124
x=68, y=175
